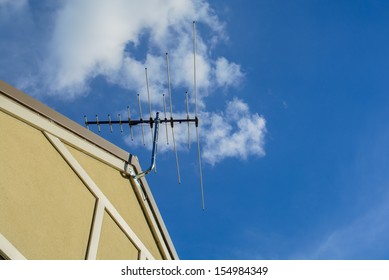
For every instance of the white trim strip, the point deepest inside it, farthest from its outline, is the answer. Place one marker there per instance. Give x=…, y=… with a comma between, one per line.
x=141, y=195
x=9, y=251
x=142, y=256
x=44, y=124
x=98, y=193
x=96, y=231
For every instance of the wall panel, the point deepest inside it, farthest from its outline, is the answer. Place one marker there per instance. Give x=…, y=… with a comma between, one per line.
x=45, y=209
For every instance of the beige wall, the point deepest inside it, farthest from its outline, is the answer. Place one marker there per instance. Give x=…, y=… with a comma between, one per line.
x=47, y=210
x=114, y=244
x=120, y=192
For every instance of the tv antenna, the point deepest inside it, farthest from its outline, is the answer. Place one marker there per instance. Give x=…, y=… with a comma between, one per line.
x=155, y=122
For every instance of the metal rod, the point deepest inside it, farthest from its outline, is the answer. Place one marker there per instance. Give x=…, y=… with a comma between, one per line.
x=141, y=118
x=197, y=128
x=98, y=123
x=171, y=118
x=175, y=152
x=110, y=122
x=168, y=85
x=148, y=97
x=164, y=111
x=194, y=67
x=154, y=152
x=86, y=122
x=187, y=117
x=120, y=123
x=200, y=169
x=142, y=121
x=129, y=122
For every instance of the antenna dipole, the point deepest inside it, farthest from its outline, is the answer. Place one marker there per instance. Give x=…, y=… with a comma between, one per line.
x=141, y=118
x=171, y=118
x=129, y=121
x=187, y=117
x=164, y=111
x=148, y=97
x=98, y=123
x=196, y=116
x=120, y=123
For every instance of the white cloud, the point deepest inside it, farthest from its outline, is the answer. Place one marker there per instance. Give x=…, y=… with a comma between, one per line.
x=233, y=133
x=236, y=133
x=227, y=73
x=90, y=38
x=118, y=39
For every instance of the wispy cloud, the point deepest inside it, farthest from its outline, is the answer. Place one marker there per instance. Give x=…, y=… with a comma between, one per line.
x=363, y=230
x=235, y=133
x=118, y=39
x=93, y=38
x=227, y=74
x=366, y=237
x=13, y=4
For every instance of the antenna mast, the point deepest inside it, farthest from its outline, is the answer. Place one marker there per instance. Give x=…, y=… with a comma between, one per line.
x=157, y=121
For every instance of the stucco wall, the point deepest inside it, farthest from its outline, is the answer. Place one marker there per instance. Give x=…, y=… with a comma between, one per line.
x=47, y=210
x=119, y=191
x=114, y=244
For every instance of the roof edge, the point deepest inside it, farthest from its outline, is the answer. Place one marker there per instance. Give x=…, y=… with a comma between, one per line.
x=61, y=120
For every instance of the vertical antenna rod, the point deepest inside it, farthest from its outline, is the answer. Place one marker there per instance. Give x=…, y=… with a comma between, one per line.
x=187, y=117
x=110, y=122
x=197, y=126
x=141, y=118
x=148, y=97
x=129, y=122
x=120, y=123
x=171, y=118
x=164, y=111
x=98, y=123
x=86, y=122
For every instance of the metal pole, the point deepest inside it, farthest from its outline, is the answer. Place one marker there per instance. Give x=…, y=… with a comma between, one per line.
x=154, y=152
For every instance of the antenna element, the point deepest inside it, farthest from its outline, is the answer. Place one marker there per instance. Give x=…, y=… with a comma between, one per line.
x=157, y=121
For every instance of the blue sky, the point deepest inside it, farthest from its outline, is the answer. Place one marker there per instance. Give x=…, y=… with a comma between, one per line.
x=293, y=99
